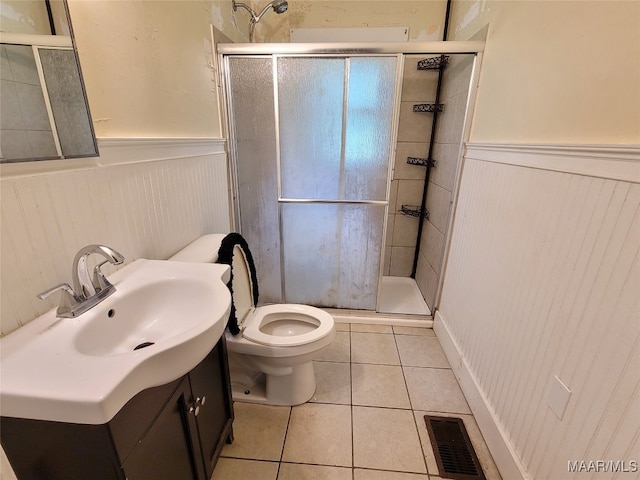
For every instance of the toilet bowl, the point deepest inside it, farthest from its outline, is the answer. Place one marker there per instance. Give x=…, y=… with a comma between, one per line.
x=271, y=356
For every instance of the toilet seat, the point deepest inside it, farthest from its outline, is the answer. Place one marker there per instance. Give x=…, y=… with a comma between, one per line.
x=252, y=319
x=262, y=316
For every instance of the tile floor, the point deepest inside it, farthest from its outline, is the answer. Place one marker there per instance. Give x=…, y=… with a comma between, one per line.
x=375, y=383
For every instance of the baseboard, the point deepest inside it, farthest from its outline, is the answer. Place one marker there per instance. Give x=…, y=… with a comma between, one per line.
x=495, y=437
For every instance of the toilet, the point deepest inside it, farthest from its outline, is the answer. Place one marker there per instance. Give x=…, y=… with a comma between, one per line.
x=271, y=356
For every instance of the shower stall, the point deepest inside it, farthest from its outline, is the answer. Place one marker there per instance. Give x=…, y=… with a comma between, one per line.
x=314, y=136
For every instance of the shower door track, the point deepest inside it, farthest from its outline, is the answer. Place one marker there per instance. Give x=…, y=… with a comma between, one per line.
x=325, y=202
x=351, y=48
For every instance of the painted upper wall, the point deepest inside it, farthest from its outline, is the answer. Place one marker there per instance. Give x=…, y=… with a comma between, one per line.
x=425, y=19
x=148, y=66
x=555, y=71
x=24, y=16
x=561, y=71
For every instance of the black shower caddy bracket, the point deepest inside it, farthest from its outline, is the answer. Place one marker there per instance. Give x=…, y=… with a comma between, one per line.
x=414, y=211
x=435, y=63
x=428, y=107
x=423, y=162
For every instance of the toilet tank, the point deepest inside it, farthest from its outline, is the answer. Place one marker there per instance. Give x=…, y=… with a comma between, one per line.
x=203, y=250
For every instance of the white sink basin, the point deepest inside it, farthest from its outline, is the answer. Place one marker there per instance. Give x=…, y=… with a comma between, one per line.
x=144, y=316
x=161, y=322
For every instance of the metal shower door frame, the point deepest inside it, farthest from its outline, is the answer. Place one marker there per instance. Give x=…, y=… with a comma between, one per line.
x=351, y=49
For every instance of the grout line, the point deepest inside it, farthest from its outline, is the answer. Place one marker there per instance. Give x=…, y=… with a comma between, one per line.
x=284, y=440
x=403, y=375
x=353, y=442
x=413, y=411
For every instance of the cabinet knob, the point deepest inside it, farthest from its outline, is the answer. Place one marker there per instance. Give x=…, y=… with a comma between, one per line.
x=201, y=400
x=195, y=410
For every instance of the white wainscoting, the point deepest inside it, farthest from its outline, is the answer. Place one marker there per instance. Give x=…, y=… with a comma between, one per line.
x=146, y=198
x=543, y=280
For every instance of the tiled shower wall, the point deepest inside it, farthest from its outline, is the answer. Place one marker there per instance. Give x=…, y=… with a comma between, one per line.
x=414, y=131
x=449, y=131
x=146, y=209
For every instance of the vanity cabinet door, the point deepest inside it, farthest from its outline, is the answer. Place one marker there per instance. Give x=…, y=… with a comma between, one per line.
x=166, y=451
x=211, y=392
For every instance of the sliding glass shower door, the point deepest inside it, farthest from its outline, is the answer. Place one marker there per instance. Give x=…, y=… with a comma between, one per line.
x=311, y=141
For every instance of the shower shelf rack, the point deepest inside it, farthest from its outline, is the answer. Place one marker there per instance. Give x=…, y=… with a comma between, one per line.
x=435, y=63
x=428, y=107
x=423, y=162
x=414, y=211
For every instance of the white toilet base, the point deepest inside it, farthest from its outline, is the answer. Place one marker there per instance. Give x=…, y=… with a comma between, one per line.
x=293, y=389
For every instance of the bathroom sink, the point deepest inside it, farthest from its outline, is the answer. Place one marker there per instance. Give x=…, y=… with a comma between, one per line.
x=163, y=319
x=151, y=314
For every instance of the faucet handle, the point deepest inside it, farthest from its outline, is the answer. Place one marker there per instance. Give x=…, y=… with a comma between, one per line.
x=99, y=281
x=68, y=299
x=64, y=287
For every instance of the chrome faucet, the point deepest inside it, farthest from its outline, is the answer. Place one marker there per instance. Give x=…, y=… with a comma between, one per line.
x=88, y=289
x=84, y=284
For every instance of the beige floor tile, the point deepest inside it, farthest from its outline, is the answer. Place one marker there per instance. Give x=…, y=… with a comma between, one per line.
x=319, y=434
x=434, y=389
x=338, y=351
x=399, y=330
x=376, y=348
x=386, y=439
x=342, y=327
x=486, y=460
x=421, y=351
x=333, y=383
x=258, y=431
x=362, y=474
x=296, y=471
x=237, y=469
x=367, y=328
x=378, y=386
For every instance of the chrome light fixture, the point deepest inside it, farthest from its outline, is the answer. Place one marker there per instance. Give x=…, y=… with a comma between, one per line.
x=279, y=6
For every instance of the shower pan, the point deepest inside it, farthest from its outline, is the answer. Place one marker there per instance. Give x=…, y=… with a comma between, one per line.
x=312, y=139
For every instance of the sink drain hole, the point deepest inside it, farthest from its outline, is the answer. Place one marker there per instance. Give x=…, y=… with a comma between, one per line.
x=144, y=344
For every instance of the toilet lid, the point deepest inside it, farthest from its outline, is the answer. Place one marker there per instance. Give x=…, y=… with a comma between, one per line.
x=242, y=286
x=234, y=251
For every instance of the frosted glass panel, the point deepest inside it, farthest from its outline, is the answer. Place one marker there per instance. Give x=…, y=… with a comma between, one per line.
x=369, y=127
x=332, y=254
x=69, y=108
x=334, y=148
x=311, y=99
x=255, y=146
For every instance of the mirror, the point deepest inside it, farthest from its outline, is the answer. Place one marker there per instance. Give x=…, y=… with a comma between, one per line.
x=44, y=113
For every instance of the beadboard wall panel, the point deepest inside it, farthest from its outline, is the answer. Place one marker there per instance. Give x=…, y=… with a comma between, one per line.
x=149, y=208
x=543, y=280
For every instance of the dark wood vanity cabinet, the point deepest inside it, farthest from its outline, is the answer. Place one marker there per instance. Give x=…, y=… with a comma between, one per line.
x=173, y=432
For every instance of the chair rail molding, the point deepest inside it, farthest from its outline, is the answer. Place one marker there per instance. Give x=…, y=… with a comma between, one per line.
x=616, y=162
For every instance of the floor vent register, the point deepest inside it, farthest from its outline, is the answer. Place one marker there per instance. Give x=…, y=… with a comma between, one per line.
x=452, y=447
